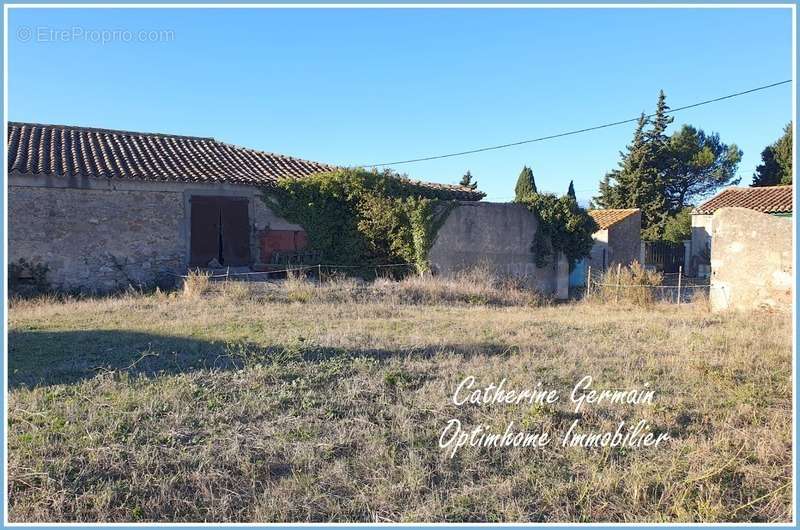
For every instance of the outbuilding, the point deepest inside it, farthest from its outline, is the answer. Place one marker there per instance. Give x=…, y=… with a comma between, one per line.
x=616, y=241
x=618, y=238
x=772, y=200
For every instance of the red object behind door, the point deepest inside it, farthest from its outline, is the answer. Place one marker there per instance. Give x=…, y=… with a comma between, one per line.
x=281, y=241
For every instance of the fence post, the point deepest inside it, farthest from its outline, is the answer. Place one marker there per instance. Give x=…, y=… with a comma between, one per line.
x=680, y=273
x=589, y=281
x=619, y=278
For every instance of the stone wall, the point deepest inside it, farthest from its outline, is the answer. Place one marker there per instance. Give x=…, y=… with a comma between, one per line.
x=625, y=240
x=96, y=239
x=751, y=261
x=498, y=235
x=100, y=235
x=701, y=242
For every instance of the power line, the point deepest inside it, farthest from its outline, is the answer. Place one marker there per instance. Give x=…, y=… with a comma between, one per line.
x=578, y=131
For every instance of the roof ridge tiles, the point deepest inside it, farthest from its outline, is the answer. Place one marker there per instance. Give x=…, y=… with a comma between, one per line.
x=107, y=131
x=109, y=153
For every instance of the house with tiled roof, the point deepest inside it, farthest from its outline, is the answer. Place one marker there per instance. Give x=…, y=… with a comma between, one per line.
x=771, y=200
x=104, y=208
x=617, y=241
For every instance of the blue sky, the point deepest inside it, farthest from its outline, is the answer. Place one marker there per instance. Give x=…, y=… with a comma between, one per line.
x=365, y=86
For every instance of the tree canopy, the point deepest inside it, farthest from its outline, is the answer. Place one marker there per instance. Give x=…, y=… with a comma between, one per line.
x=661, y=174
x=637, y=182
x=697, y=164
x=468, y=182
x=776, y=161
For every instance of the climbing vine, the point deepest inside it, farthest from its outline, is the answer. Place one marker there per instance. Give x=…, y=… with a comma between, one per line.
x=363, y=218
x=563, y=227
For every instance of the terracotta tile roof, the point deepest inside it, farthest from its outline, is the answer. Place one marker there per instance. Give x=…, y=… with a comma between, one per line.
x=101, y=153
x=768, y=199
x=607, y=218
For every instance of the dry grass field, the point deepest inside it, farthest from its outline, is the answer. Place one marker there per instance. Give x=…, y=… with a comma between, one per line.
x=294, y=402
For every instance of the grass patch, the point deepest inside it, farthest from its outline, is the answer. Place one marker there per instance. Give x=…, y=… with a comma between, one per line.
x=258, y=403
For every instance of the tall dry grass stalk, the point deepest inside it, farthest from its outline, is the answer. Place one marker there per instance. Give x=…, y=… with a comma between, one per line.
x=196, y=283
x=298, y=287
x=479, y=285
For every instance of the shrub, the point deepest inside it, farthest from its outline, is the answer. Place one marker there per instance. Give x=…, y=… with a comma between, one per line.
x=26, y=278
x=633, y=284
x=678, y=227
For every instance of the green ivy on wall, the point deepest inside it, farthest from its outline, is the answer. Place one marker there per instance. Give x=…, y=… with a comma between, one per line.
x=563, y=227
x=363, y=218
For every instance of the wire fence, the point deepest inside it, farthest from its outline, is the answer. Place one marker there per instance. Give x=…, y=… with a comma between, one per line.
x=675, y=287
x=321, y=270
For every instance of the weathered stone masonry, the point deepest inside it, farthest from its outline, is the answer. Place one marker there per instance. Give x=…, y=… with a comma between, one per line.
x=101, y=235
x=98, y=238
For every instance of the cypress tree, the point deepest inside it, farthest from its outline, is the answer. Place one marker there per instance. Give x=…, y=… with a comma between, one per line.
x=657, y=135
x=571, y=192
x=526, y=185
x=651, y=184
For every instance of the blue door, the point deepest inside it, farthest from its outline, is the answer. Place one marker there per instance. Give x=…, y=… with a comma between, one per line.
x=577, y=278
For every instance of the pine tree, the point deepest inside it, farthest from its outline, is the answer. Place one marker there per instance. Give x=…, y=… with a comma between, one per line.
x=467, y=181
x=696, y=166
x=639, y=180
x=618, y=187
x=776, y=162
x=607, y=193
x=526, y=185
x=571, y=191
x=660, y=121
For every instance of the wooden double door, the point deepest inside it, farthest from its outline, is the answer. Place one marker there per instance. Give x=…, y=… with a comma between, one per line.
x=220, y=229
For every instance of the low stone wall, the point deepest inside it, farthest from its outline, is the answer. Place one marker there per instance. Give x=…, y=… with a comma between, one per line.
x=751, y=261
x=498, y=235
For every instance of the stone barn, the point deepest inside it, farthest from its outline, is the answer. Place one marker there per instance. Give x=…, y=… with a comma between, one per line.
x=103, y=209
